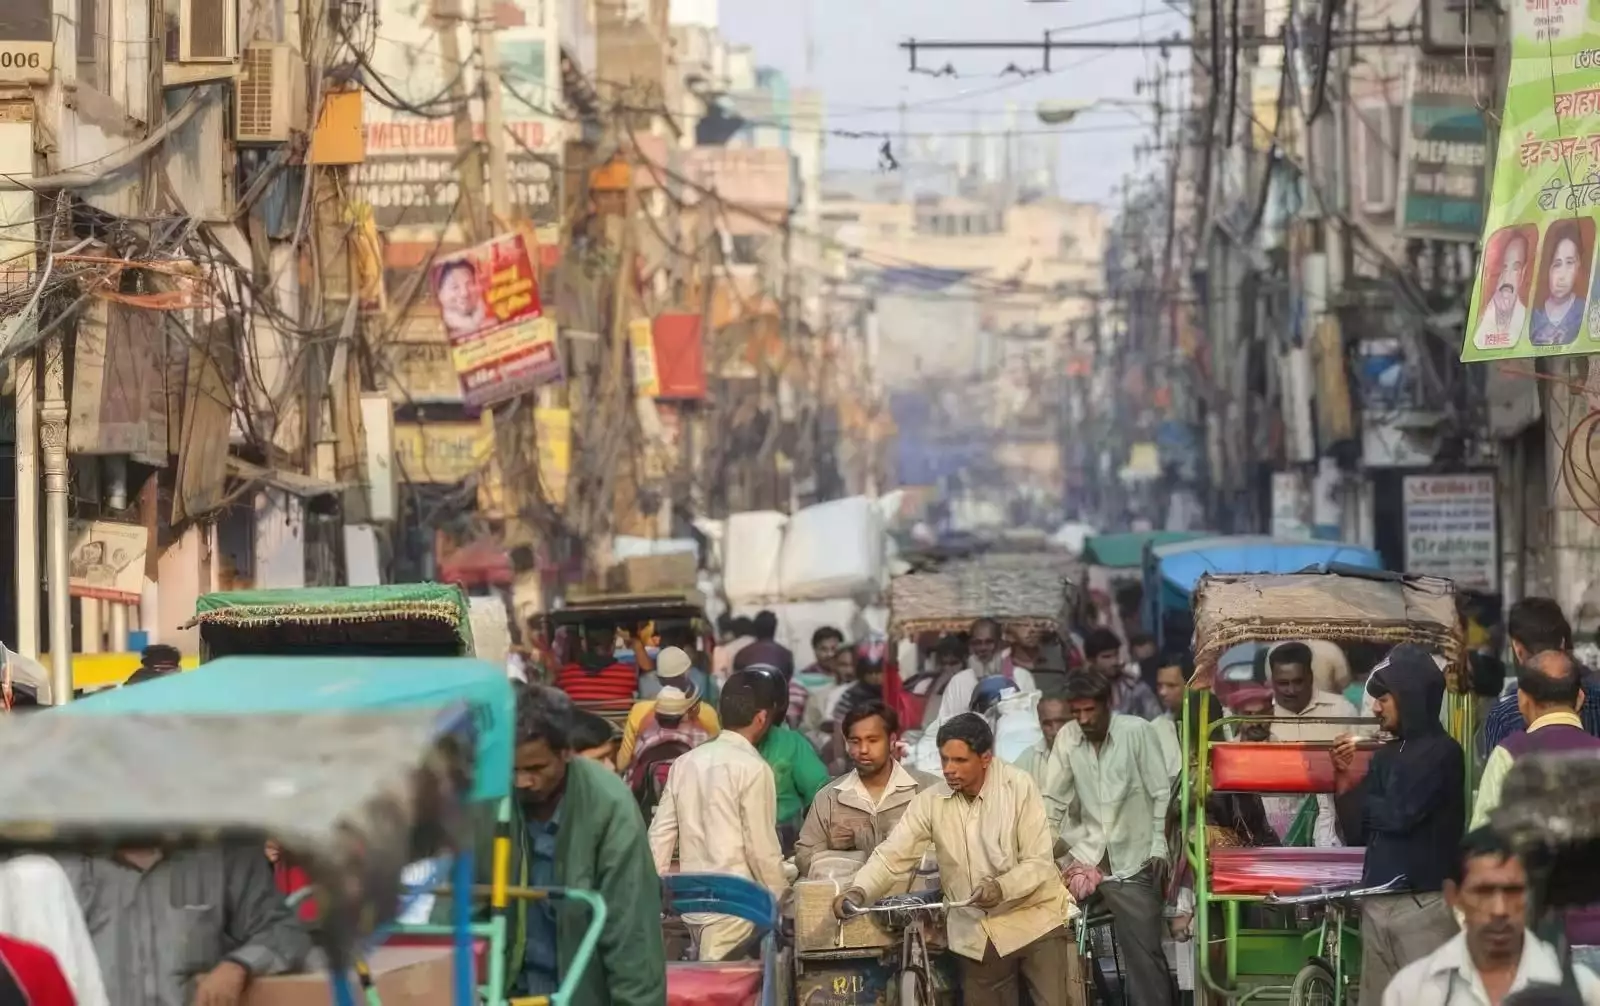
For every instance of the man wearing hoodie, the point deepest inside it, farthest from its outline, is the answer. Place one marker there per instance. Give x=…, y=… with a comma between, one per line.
x=1408, y=811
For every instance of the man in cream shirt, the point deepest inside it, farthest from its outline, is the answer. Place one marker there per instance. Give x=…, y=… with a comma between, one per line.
x=1109, y=778
x=988, y=830
x=1296, y=699
x=720, y=809
x=1494, y=955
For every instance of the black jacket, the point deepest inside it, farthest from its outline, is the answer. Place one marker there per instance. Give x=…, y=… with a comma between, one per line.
x=1410, y=810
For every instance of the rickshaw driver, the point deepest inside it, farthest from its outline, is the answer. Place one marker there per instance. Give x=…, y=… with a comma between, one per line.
x=144, y=939
x=988, y=830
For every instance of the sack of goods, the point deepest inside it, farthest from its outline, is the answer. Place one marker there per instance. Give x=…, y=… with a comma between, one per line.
x=833, y=549
x=752, y=547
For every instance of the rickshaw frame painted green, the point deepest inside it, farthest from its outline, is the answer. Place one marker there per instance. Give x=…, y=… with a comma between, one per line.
x=1341, y=605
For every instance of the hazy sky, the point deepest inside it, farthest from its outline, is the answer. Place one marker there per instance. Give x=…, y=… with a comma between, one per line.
x=855, y=61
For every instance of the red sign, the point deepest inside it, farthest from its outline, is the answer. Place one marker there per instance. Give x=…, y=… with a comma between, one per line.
x=679, y=357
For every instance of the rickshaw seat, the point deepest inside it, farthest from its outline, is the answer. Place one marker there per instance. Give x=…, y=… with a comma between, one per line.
x=731, y=983
x=1276, y=767
x=722, y=894
x=1261, y=872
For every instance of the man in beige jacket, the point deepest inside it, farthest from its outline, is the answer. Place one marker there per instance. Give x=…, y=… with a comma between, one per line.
x=988, y=829
x=858, y=810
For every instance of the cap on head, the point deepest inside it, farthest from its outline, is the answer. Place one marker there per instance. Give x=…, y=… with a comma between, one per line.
x=672, y=662
x=674, y=701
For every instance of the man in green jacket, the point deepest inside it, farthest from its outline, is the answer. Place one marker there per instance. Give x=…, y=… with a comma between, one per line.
x=797, y=769
x=574, y=824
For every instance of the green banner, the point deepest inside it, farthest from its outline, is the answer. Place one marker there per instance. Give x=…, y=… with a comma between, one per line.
x=1536, y=293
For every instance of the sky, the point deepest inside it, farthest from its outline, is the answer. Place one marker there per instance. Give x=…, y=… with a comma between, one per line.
x=848, y=49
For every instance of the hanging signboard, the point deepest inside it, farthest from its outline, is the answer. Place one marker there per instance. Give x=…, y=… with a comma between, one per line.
x=1445, y=150
x=440, y=453
x=501, y=343
x=107, y=560
x=1451, y=529
x=1535, y=289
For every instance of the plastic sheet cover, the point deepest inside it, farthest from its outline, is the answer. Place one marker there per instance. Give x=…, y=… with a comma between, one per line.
x=1261, y=872
x=355, y=797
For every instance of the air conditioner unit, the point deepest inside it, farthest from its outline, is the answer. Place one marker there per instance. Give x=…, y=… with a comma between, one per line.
x=262, y=94
x=208, y=31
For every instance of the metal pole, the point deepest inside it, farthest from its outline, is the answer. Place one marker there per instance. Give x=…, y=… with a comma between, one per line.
x=53, y=441
x=117, y=492
x=27, y=468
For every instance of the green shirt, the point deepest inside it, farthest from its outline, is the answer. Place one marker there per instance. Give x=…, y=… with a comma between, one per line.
x=797, y=770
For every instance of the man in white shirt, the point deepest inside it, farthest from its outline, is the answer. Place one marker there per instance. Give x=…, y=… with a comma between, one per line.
x=1053, y=715
x=987, y=826
x=1494, y=955
x=1107, y=775
x=720, y=808
x=986, y=660
x=1296, y=699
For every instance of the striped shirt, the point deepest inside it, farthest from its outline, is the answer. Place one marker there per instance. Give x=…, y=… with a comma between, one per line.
x=614, y=683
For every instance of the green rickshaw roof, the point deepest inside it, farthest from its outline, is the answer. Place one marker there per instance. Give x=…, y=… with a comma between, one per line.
x=1126, y=550
x=439, y=602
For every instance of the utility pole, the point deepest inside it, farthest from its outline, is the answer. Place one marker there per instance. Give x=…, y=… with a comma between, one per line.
x=494, y=121
x=447, y=17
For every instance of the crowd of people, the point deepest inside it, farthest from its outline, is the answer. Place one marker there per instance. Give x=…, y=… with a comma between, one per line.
x=748, y=765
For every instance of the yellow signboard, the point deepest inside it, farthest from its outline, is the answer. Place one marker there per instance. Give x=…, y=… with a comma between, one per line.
x=440, y=453
x=553, y=430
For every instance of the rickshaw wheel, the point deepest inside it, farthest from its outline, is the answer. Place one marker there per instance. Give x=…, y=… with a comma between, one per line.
x=1313, y=986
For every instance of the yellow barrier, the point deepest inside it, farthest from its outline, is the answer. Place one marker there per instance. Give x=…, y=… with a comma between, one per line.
x=101, y=670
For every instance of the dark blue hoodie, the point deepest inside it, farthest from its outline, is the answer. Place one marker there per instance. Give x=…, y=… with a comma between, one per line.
x=1410, y=810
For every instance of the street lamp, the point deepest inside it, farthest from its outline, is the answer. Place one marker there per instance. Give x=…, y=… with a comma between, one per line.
x=1060, y=111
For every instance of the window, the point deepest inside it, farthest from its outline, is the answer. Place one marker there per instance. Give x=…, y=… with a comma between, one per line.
x=94, y=44
x=1376, y=145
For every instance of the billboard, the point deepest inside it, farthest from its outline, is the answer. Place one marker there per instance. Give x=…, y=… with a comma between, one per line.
x=500, y=342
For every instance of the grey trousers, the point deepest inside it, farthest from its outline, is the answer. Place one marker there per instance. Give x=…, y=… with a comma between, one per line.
x=1397, y=929
x=1135, y=906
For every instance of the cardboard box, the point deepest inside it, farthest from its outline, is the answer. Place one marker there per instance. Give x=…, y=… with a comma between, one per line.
x=643, y=574
x=816, y=928
x=405, y=976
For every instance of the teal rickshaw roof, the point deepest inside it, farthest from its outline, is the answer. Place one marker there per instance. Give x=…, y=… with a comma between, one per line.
x=242, y=686
x=1126, y=550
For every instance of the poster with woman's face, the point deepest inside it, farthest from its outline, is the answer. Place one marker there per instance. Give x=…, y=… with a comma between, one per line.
x=1561, y=286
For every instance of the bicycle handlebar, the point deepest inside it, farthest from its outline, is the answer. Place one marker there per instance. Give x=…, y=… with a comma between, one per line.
x=1325, y=896
x=891, y=905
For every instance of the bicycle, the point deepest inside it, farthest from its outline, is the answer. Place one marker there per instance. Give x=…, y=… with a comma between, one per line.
x=912, y=914
x=1323, y=980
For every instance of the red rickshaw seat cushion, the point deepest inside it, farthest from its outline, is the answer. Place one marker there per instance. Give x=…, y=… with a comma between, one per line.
x=730, y=983
x=1261, y=872
x=1270, y=767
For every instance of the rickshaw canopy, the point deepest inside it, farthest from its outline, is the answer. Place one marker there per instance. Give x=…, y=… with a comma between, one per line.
x=1024, y=592
x=353, y=797
x=1126, y=550
x=582, y=607
x=311, y=620
x=1339, y=605
x=277, y=686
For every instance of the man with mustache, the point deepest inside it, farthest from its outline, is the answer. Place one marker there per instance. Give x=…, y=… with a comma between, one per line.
x=577, y=825
x=1505, y=317
x=1494, y=956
